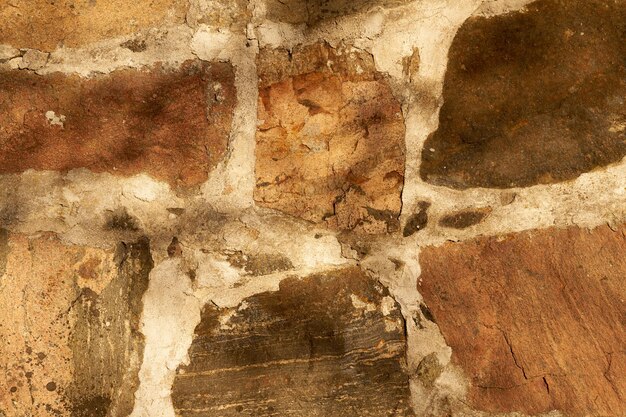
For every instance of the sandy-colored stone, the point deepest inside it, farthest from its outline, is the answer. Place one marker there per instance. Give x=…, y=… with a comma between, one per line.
x=69, y=320
x=537, y=320
x=532, y=97
x=330, y=144
x=329, y=344
x=172, y=124
x=46, y=25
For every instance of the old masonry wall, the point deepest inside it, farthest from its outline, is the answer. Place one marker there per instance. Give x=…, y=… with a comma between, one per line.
x=312, y=208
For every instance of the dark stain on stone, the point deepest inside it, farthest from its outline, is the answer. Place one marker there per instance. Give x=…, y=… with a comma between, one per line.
x=135, y=45
x=428, y=315
x=174, y=249
x=97, y=406
x=51, y=386
x=176, y=211
x=532, y=97
x=106, y=341
x=260, y=264
x=127, y=122
x=308, y=336
x=312, y=12
x=121, y=220
x=417, y=221
x=4, y=250
x=391, y=218
x=464, y=219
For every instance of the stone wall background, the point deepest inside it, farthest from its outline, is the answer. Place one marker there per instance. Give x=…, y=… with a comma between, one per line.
x=254, y=208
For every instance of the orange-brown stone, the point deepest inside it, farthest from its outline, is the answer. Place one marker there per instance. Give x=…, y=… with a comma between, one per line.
x=330, y=144
x=172, y=124
x=537, y=320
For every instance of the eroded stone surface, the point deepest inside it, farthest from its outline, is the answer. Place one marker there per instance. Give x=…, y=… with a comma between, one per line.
x=311, y=12
x=70, y=327
x=328, y=344
x=537, y=320
x=330, y=145
x=172, y=124
x=532, y=97
x=46, y=25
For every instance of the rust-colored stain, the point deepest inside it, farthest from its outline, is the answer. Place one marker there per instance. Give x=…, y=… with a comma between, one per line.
x=172, y=124
x=532, y=97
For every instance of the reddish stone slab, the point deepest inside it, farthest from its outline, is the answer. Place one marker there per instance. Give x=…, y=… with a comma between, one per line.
x=537, y=320
x=172, y=124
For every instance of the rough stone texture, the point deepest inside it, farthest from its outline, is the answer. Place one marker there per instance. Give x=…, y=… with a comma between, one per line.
x=70, y=319
x=328, y=344
x=46, y=25
x=532, y=97
x=311, y=12
x=330, y=144
x=127, y=122
x=537, y=320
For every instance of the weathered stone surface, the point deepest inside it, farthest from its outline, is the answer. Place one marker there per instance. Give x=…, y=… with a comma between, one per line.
x=69, y=321
x=330, y=144
x=172, y=124
x=314, y=11
x=464, y=219
x=537, y=320
x=231, y=14
x=532, y=97
x=41, y=24
x=326, y=345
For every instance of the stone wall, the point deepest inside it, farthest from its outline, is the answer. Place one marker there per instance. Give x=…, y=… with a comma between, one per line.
x=313, y=208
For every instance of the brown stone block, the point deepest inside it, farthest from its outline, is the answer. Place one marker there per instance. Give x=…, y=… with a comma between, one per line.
x=330, y=144
x=69, y=325
x=329, y=344
x=172, y=124
x=532, y=97
x=537, y=320
x=46, y=25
